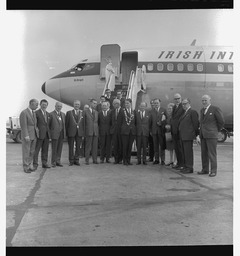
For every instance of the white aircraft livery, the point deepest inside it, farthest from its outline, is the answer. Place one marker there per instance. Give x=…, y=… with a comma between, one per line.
x=148, y=73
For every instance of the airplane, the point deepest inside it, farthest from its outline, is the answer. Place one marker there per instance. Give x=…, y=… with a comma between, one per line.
x=147, y=73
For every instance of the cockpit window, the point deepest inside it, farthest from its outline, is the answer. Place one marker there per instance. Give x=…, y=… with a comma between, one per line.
x=79, y=67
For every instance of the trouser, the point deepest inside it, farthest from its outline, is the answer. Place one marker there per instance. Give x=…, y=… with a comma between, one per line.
x=105, y=146
x=187, y=149
x=178, y=149
x=42, y=144
x=91, y=146
x=28, y=149
x=57, y=145
x=150, y=147
x=127, y=142
x=74, y=156
x=117, y=147
x=209, y=154
x=142, y=147
x=159, y=150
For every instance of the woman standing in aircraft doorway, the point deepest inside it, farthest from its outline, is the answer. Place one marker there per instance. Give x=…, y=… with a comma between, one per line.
x=110, y=74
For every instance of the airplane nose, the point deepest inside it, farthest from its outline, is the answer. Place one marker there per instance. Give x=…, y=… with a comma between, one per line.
x=43, y=88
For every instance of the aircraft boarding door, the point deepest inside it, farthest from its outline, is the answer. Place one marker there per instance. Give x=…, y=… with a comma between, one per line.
x=129, y=63
x=112, y=52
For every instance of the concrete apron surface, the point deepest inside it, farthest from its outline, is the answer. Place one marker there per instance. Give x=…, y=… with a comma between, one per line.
x=117, y=205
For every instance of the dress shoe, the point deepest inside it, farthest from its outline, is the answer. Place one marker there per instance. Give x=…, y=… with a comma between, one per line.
x=108, y=161
x=27, y=171
x=87, y=163
x=138, y=162
x=70, y=164
x=54, y=165
x=175, y=166
x=59, y=165
x=77, y=163
x=144, y=162
x=46, y=166
x=101, y=161
x=202, y=172
x=130, y=163
x=162, y=163
x=169, y=164
x=120, y=162
x=150, y=159
x=187, y=170
x=156, y=162
x=180, y=168
x=33, y=169
x=212, y=174
x=95, y=162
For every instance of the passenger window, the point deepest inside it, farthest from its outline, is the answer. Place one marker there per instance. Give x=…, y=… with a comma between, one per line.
x=230, y=68
x=160, y=67
x=79, y=67
x=150, y=67
x=200, y=67
x=220, y=68
x=180, y=67
x=170, y=67
x=88, y=66
x=190, y=67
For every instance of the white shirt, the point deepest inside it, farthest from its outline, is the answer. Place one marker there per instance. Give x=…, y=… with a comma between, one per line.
x=206, y=109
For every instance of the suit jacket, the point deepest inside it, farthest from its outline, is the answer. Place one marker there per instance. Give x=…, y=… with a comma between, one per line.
x=90, y=122
x=54, y=125
x=28, y=123
x=116, y=122
x=189, y=125
x=104, y=123
x=176, y=114
x=73, y=121
x=128, y=122
x=211, y=123
x=155, y=117
x=42, y=124
x=142, y=124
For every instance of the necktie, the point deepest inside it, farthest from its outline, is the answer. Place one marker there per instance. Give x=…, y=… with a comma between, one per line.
x=45, y=116
x=141, y=114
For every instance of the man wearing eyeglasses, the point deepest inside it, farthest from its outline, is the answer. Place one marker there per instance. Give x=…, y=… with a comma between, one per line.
x=176, y=114
x=188, y=131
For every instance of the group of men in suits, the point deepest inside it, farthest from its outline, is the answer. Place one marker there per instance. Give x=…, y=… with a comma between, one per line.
x=115, y=130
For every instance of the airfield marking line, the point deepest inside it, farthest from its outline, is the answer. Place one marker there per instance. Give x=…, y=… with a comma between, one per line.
x=20, y=212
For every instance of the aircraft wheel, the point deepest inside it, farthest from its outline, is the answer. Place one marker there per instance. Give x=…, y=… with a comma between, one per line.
x=222, y=136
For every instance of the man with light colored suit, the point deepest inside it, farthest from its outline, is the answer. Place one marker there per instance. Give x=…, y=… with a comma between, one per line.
x=43, y=118
x=142, y=127
x=74, y=132
x=188, y=131
x=211, y=122
x=29, y=131
x=57, y=133
x=90, y=124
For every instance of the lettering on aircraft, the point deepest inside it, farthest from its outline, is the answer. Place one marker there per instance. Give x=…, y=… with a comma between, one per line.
x=78, y=79
x=218, y=55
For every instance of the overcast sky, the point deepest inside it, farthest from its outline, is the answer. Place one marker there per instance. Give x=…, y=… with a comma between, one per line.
x=41, y=44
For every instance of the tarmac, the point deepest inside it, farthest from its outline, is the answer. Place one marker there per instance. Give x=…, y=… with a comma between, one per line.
x=117, y=205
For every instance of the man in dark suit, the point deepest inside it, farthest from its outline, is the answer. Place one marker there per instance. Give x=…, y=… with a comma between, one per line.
x=90, y=124
x=104, y=122
x=128, y=131
x=150, y=140
x=142, y=124
x=74, y=132
x=99, y=105
x=157, y=126
x=29, y=132
x=109, y=97
x=120, y=97
x=176, y=115
x=211, y=122
x=57, y=133
x=188, y=131
x=43, y=118
x=115, y=131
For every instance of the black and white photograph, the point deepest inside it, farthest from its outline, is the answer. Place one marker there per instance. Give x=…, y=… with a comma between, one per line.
x=119, y=128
